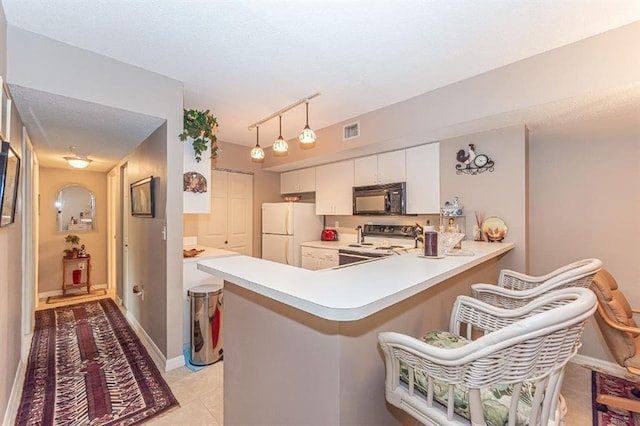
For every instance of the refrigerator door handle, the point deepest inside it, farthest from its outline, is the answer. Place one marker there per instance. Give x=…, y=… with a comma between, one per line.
x=286, y=220
x=286, y=251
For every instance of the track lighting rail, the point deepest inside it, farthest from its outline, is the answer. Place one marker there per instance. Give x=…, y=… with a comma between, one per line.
x=283, y=110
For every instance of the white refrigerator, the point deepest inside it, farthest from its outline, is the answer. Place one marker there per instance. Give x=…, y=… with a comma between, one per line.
x=285, y=226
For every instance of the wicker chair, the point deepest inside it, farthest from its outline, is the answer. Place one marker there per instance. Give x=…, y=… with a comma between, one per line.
x=511, y=375
x=515, y=289
x=621, y=333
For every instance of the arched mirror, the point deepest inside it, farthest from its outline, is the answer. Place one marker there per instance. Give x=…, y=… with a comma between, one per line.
x=75, y=207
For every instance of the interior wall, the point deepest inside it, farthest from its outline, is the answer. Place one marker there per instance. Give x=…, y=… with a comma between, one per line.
x=584, y=202
x=147, y=262
x=501, y=193
x=266, y=188
x=52, y=242
x=11, y=242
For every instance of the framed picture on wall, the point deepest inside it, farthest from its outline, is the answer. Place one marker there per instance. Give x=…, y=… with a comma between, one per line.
x=9, y=174
x=143, y=198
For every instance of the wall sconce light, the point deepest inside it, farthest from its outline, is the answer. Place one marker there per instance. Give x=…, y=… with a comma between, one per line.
x=280, y=146
x=307, y=137
x=77, y=161
x=257, y=153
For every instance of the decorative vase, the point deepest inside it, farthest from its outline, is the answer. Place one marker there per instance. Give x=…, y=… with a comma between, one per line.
x=77, y=276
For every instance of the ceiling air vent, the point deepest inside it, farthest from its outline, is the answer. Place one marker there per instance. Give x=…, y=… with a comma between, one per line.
x=351, y=131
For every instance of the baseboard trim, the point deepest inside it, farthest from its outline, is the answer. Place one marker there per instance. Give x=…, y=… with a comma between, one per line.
x=14, y=398
x=45, y=294
x=175, y=362
x=156, y=353
x=602, y=366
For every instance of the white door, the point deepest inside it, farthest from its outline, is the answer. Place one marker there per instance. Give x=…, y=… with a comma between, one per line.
x=277, y=218
x=240, y=213
x=277, y=248
x=212, y=228
x=229, y=226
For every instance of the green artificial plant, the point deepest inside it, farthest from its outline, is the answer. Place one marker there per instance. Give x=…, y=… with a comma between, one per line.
x=202, y=127
x=73, y=240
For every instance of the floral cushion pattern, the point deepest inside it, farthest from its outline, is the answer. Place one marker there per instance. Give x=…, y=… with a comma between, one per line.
x=496, y=399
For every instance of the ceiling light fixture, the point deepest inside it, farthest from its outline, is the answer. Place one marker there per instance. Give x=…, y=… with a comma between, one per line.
x=257, y=153
x=280, y=146
x=77, y=161
x=307, y=137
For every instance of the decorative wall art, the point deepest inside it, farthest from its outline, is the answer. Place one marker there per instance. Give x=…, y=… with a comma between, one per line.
x=194, y=182
x=9, y=175
x=472, y=163
x=143, y=198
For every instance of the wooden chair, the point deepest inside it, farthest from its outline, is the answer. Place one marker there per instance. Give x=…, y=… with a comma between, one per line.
x=614, y=317
x=511, y=375
x=515, y=289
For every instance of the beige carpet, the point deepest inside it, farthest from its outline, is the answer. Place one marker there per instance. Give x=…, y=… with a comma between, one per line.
x=76, y=296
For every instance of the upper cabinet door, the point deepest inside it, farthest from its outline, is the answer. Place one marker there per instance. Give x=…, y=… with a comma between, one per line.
x=388, y=167
x=334, y=188
x=391, y=167
x=423, y=179
x=303, y=180
x=365, y=171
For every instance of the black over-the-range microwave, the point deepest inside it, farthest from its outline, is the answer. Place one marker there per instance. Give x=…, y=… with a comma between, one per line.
x=387, y=199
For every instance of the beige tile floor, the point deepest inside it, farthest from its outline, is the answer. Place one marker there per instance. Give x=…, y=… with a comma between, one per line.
x=200, y=394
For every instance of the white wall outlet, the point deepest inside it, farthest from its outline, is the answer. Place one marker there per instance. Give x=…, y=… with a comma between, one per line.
x=164, y=233
x=81, y=265
x=336, y=224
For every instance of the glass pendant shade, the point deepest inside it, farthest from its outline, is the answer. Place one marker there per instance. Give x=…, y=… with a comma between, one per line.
x=257, y=154
x=280, y=146
x=307, y=137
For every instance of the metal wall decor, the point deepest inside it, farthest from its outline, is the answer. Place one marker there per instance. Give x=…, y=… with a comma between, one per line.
x=472, y=163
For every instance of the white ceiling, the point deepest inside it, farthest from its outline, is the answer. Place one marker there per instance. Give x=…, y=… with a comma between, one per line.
x=244, y=60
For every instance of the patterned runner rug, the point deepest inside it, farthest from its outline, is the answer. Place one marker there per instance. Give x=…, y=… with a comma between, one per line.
x=87, y=367
x=609, y=416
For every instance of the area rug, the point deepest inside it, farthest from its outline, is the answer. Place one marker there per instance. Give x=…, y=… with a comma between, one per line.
x=87, y=367
x=609, y=416
x=76, y=297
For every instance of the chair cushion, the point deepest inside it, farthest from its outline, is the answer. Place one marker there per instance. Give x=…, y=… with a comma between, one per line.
x=623, y=345
x=496, y=399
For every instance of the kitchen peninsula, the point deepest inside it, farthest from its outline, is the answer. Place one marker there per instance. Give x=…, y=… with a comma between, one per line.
x=301, y=346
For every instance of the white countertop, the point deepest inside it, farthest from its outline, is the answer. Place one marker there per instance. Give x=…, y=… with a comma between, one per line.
x=208, y=253
x=325, y=244
x=352, y=292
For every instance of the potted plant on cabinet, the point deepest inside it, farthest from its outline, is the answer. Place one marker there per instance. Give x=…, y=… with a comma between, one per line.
x=73, y=241
x=202, y=127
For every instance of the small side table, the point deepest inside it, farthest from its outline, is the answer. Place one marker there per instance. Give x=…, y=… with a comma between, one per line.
x=72, y=264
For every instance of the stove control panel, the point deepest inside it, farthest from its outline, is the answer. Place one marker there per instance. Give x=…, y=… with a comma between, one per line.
x=408, y=231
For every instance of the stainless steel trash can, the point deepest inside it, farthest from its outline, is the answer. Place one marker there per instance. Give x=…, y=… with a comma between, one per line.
x=206, y=323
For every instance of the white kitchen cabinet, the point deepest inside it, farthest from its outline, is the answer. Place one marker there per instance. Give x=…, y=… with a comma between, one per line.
x=388, y=167
x=334, y=188
x=303, y=180
x=314, y=258
x=423, y=179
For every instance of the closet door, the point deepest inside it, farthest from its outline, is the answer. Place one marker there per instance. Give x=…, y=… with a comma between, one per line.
x=229, y=226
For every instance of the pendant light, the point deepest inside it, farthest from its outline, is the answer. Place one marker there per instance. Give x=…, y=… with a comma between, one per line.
x=307, y=137
x=280, y=146
x=257, y=153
